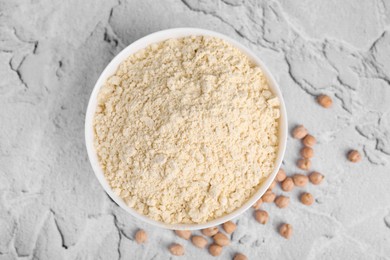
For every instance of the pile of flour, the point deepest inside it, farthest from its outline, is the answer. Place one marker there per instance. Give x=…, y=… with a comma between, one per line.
x=187, y=129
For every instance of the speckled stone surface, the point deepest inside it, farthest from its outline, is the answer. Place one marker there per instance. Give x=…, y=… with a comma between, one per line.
x=51, y=54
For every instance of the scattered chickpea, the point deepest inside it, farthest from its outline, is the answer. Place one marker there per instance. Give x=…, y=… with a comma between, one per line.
x=281, y=176
x=268, y=196
x=282, y=201
x=258, y=204
x=186, y=234
x=221, y=239
x=316, y=178
x=141, y=236
x=304, y=164
x=285, y=231
x=229, y=227
x=272, y=186
x=309, y=141
x=307, y=199
x=354, y=156
x=240, y=256
x=199, y=241
x=215, y=250
x=209, y=232
x=176, y=249
x=299, y=132
x=261, y=216
x=300, y=180
x=325, y=101
x=307, y=152
x=288, y=184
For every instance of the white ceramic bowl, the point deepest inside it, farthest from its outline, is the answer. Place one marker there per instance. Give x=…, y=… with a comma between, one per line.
x=111, y=69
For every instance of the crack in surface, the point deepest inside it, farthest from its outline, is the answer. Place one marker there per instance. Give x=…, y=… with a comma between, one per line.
x=235, y=4
x=386, y=219
x=237, y=31
x=296, y=81
x=120, y=236
x=17, y=71
x=59, y=230
x=369, y=158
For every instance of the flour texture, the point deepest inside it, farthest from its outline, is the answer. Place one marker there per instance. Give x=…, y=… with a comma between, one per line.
x=187, y=130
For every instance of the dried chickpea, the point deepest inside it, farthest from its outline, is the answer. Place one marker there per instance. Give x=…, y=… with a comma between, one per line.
x=229, y=227
x=307, y=152
x=176, y=249
x=209, y=232
x=258, y=204
x=268, y=196
x=215, y=250
x=304, y=164
x=240, y=256
x=261, y=216
x=221, y=239
x=272, y=186
x=309, y=141
x=300, y=180
x=354, y=156
x=186, y=234
x=141, y=236
x=282, y=201
x=199, y=241
x=288, y=184
x=316, y=178
x=325, y=101
x=299, y=132
x=281, y=176
x=307, y=199
x=285, y=231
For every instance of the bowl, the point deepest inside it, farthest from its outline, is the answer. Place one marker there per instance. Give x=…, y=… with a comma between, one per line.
x=111, y=69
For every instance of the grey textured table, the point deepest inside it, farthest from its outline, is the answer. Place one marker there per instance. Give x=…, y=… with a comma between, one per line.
x=51, y=53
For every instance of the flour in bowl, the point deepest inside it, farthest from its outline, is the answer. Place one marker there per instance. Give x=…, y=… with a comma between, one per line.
x=187, y=129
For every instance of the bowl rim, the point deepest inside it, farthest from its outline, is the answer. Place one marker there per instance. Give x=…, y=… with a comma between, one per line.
x=111, y=69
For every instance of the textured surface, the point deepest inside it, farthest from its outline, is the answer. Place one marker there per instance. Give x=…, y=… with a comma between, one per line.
x=51, y=53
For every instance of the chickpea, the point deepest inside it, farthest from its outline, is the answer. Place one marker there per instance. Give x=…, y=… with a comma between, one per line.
x=282, y=201
x=209, y=232
x=268, y=196
x=309, y=141
x=141, y=236
x=281, y=176
x=199, y=241
x=325, y=101
x=221, y=239
x=300, y=180
x=240, y=256
x=261, y=216
x=307, y=199
x=307, y=152
x=299, y=132
x=176, y=249
x=304, y=164
x=229, y=227
x=258, y=204
x=272, y=186
x=316, y=178
x=354, y=156
x=285, y=231
x=288, y=184
x=215, y=250
x=186, y=234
